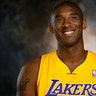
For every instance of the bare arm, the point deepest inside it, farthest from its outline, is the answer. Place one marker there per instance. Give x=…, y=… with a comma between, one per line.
x=27, y=79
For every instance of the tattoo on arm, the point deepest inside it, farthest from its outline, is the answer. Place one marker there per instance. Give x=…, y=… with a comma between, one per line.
x=24, y=84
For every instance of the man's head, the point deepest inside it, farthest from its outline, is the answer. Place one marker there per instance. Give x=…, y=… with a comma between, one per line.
x=67, y=22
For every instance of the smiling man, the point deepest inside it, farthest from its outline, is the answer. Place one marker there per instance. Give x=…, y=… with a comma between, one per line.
x=68, y=71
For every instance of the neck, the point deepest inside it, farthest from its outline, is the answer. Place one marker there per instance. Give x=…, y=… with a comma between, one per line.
x=72, y=56
x=72, y=50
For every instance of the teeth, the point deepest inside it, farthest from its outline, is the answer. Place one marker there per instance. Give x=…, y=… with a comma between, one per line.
x=68, y=32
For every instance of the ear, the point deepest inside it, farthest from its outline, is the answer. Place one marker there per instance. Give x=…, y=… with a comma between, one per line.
x=51, y=28
x=84, y=24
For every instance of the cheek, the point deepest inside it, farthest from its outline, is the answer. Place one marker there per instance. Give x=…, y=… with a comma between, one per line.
x=58, y=37
x=58, y=25
x=79, y=26
x=79, y=32
x=58, y=28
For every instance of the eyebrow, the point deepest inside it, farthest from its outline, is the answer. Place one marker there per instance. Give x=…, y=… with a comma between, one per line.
x=73, y=13
x=58, y=16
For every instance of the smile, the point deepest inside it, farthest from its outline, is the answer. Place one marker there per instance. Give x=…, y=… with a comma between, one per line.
x=68, y=32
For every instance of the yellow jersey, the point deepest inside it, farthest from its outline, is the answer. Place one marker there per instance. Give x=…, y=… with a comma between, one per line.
x=55, y=78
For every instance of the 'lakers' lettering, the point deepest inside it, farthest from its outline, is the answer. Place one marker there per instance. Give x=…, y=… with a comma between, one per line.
x=71, y=89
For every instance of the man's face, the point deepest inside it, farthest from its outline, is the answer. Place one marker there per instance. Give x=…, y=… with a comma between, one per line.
x=68, y=24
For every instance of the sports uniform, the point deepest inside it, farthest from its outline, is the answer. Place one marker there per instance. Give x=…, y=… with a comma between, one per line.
x=55, y=78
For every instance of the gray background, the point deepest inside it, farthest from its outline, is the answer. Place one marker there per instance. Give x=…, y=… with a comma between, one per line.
x=24, y=35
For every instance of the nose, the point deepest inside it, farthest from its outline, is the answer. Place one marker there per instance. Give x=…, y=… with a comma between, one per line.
x=66, y=23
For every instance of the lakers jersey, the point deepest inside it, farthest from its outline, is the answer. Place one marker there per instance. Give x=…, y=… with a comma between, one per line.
x=55, y=78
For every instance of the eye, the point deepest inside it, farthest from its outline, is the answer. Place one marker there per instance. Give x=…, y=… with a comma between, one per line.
x=59, y=19
x=74, y=16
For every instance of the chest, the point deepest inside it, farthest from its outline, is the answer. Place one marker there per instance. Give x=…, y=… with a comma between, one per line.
x=57, y=80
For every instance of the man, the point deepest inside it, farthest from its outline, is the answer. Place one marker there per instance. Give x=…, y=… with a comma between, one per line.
x=68, y=71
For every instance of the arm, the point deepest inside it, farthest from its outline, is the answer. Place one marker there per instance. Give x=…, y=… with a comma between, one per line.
x=27, y=79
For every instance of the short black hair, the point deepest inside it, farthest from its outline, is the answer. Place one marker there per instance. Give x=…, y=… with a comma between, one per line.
x=67, y=2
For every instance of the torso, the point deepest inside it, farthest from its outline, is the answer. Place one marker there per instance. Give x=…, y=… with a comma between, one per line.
x=56, y=79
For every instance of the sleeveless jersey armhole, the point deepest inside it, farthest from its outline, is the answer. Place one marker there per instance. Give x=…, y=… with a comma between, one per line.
x=39, y=72
x=42, y=67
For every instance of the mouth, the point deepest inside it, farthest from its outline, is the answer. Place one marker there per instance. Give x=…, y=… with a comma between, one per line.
x=69, y=33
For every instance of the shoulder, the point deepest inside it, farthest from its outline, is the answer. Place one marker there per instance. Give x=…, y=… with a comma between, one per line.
x=27, y=78
x=31, y=68
x=92, y=53
x=52, y=53
x=33, y=63
x=29, y=71
x=91, y=56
